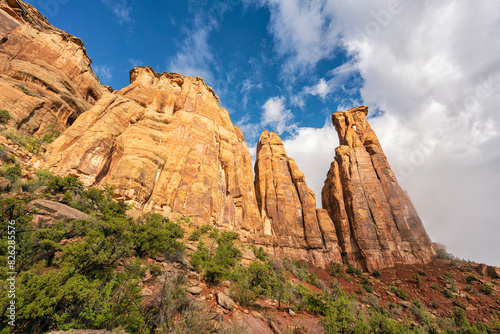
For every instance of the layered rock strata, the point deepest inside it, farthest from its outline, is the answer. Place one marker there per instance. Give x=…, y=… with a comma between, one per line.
x=376, y=223
x=45, y=74
x=164, y=144
x=288, y=206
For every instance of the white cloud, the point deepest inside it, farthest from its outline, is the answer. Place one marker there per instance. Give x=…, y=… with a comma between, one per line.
x=313, y=150
x=303, y=32
x=433, y=68
x=195, y=55
x=104, y=72
x=121, y=9
x=321, y=89
x=275, y=114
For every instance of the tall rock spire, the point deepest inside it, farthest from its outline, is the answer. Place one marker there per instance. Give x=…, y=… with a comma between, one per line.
x=376, y=223
x=288, y=206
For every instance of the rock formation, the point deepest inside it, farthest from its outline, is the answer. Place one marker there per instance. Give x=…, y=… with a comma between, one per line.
x=376, y=223
x=288, y=206
x=164, y=144
x=45, y=73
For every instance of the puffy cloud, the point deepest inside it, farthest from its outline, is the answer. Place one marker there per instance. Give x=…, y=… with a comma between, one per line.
x=276, y=115
x=432, y=68
x=321, y=89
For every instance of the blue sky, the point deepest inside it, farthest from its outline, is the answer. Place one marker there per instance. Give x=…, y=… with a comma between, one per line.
x=228, y=43
x=428, y=70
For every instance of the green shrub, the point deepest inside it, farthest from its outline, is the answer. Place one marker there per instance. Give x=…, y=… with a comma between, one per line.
x=377, y=273
x=218, y=266
x=200, y=257
x=441, y=254
x=155, y=269
x=448, y=294
x=50, y=135
x=459, y=304
x=342, y=316
x=205, y=228
x=11, y=172
x=214, y=234
x=195, y=236
x=399, y=292
x=351, y=270
x=417, y=278
x=471, y=278
x=487, y=289
x=297, y=268
x=259, y=279
x=59, y=184
x=259, y=253
x=335, y=269
x=155, y=235
x=434, y=286
x=312, y=279
x=4, y=116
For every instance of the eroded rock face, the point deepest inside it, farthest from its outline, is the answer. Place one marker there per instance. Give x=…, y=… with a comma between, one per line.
x=288, y=206
x=164, y=144
x=376, y=223
x=45, y=73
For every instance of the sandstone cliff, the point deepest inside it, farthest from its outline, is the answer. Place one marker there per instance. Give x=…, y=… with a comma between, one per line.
x=375, y=220
x=165, y=144
x=288, y=207
x=45, y=73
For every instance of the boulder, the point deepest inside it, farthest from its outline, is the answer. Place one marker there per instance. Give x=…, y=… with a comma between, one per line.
x=482, y=269
x=194, y=290
x=493, y=272
x=47, y=212
x=5, y=185
x=225, y=301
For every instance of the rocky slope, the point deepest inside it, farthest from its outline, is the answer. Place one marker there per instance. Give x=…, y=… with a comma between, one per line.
x=164, y=144
x=45, y=73
x=375, y=220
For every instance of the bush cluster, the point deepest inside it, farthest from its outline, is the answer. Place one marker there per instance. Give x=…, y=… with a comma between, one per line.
x=93, y=281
